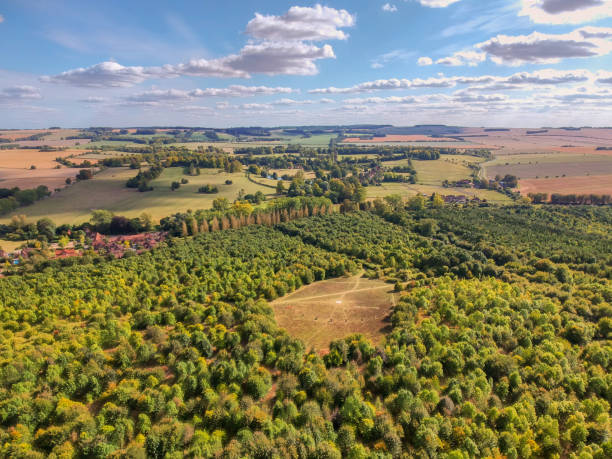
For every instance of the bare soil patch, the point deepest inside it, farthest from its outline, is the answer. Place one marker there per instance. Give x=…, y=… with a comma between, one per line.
x=335, y=308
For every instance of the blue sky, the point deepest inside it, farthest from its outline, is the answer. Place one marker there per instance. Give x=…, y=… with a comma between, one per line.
x=521, y=63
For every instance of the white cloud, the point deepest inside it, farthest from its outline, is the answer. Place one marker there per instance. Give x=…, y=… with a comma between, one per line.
x=424, y=61
x=431, y=99
x=1, y=18
x=205, y=68
x=302, y=23
x=471, y=58
x=437, y=3
x=548, y=48
x=94, y=100
x=389, y=8
x=290, y=58
x=172, y=95
x=286, y=101
x=19, y=94
x=279, y=58
x=255, y=106
x=604, y=77
x=519, y=80
x=566, y=11
x=106, y=74
x=281, y=48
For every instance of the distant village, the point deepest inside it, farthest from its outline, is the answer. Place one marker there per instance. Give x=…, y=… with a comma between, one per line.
x=115, y=246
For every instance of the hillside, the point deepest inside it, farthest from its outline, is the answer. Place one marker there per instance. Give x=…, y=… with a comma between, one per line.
x=498, y=344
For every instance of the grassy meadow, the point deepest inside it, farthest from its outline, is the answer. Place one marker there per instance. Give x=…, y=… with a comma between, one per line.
x=107, y=190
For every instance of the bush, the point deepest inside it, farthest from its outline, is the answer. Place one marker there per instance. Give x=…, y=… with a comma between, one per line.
x=208, y=189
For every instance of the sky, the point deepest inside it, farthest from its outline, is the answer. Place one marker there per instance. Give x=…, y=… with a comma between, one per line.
x=505, y=63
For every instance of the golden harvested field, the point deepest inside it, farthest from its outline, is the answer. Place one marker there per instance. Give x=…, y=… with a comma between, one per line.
x=56, y=137
x=321, y=312
x=24, y=158
x=595, y=184
x=551, y=166
x=517, y=141
x=15, y=168
x=25, y=178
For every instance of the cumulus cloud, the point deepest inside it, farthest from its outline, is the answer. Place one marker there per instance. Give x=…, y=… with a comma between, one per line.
x=280, y=58
x=290, y=58
x=389, y=8
x=604, y=77
x=106, y=74
x=437, y=3
x=515, y=81
x=566, y=11
x=471, y=58
x=19, y=93
x=170, y=95
x=428, y=99
x=548, y=48
x=392, y=83
x=286, y=101
x=282, y=47
x=302, y=23
x=423, y=61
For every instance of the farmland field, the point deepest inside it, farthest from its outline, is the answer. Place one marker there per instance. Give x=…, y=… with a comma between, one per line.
x=24, y=158
x=594, y=184
x=406, y=190
x=550, y=165
x=519, y=141
x=107, y=191
x=15, y=169
x=564, y=173
x=431, y=174
x=448, y=167
x=53, y=134
x=398, y=139
x=333, y=309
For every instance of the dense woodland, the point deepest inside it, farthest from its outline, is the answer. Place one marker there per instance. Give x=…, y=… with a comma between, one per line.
x=499, y=346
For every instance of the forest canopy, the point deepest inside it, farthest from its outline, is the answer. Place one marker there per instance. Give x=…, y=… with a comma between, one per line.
x=499, y=344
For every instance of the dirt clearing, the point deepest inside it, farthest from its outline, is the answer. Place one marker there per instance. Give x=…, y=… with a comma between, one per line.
x=335, y=308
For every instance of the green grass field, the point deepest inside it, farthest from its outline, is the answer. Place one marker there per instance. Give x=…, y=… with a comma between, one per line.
x=107, y=191
x=448, y=167
x=407, y=190
x=431, y=174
